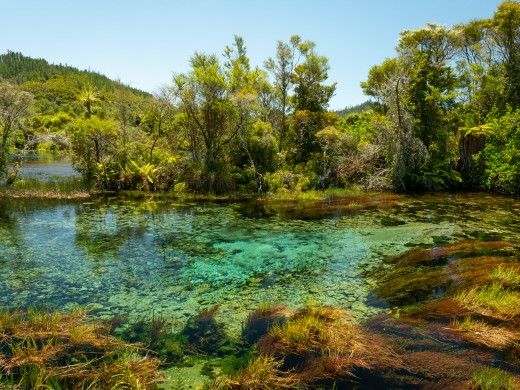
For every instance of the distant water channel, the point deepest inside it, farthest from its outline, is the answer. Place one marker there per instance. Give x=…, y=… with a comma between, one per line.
x=127, y=257
x=47, y=166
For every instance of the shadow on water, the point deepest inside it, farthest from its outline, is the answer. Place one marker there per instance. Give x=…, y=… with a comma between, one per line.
x=315, y=210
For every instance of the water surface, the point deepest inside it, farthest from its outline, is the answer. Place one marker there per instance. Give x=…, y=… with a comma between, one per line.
x=128, y=257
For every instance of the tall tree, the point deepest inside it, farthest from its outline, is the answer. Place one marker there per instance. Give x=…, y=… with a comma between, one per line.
x=432, y=84
x=310, y=102
x=159, y=117
x=216, y=102
x=14, y=106
x=282, y=67
x=506, y=33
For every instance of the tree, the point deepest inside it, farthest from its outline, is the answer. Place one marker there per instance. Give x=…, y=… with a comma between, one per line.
x=282, y=67
x=159, y=118
x=506, y=33
x=381, y=81
x=88, y=96
x=124, y=109
x=310, y=101
x=93, y=148
x=216, y=102
x=431, y=83
x=14, y=106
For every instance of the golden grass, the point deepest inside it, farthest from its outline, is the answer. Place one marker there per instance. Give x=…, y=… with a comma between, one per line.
x=42, y=349
x=481, y=333
x=493, y=379
x=319, y=343
x=263, y=373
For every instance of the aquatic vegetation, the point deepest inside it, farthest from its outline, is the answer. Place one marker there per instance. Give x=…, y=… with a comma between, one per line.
x=153, y=335
x=493, y=379
x=507, y=275
x=205, y=335
x=492, y=300
x=401, y=286
x=421, y=274
x=442, y=255
x=264, y=372
x=40, y=348
x=121, y=257
x=321, y=205
x=259, y=321
x=480, y=332
x=455, y=294
x=317, y=345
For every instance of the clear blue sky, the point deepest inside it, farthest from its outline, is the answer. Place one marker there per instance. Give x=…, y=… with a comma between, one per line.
x=142, y=43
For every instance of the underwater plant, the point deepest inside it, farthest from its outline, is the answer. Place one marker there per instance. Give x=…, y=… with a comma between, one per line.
x=260, y=320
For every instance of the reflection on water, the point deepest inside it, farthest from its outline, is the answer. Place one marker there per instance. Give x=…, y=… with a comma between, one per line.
x=47, y=166
x=131, y=257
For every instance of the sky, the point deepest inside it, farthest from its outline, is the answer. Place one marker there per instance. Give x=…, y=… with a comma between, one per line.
x=143, y=43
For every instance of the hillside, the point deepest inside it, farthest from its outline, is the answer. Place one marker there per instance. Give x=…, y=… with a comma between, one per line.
x=57, y=83
x=365, y=106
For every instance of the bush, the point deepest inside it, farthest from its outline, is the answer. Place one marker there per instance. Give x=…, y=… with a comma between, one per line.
x=501, y=154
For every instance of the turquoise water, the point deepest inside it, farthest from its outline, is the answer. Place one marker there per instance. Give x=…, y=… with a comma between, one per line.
x=128, y=257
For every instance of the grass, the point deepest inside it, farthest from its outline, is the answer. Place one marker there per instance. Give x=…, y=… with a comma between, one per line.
x=493, y=379
x=481, y=333
x=44, y=349
x=318, y=344
x=507, y=276
x=492, y=300
x=264, y=372
x=259, y=321
x=63, y=188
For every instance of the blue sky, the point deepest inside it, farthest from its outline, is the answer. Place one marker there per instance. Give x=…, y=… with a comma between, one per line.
x=142, y=43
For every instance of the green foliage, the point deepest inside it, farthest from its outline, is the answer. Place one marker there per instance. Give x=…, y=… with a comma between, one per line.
x=14, y=107
x=444, y=113
x=62, y=79
x=357, y=109
x=92, y=141
x=501, y=154
x=493, y=379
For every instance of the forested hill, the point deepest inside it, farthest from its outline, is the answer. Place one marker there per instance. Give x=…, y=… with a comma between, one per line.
x=37, y=75
x=357, y=109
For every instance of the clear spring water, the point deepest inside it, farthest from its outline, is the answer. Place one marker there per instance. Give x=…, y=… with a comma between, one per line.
x=129, y=257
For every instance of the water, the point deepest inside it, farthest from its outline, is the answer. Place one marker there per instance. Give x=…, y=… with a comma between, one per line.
x=127, y=257
x=47, y=166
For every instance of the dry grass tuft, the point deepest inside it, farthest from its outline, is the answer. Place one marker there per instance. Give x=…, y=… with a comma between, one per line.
x=42, y=349
x=479, y=332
